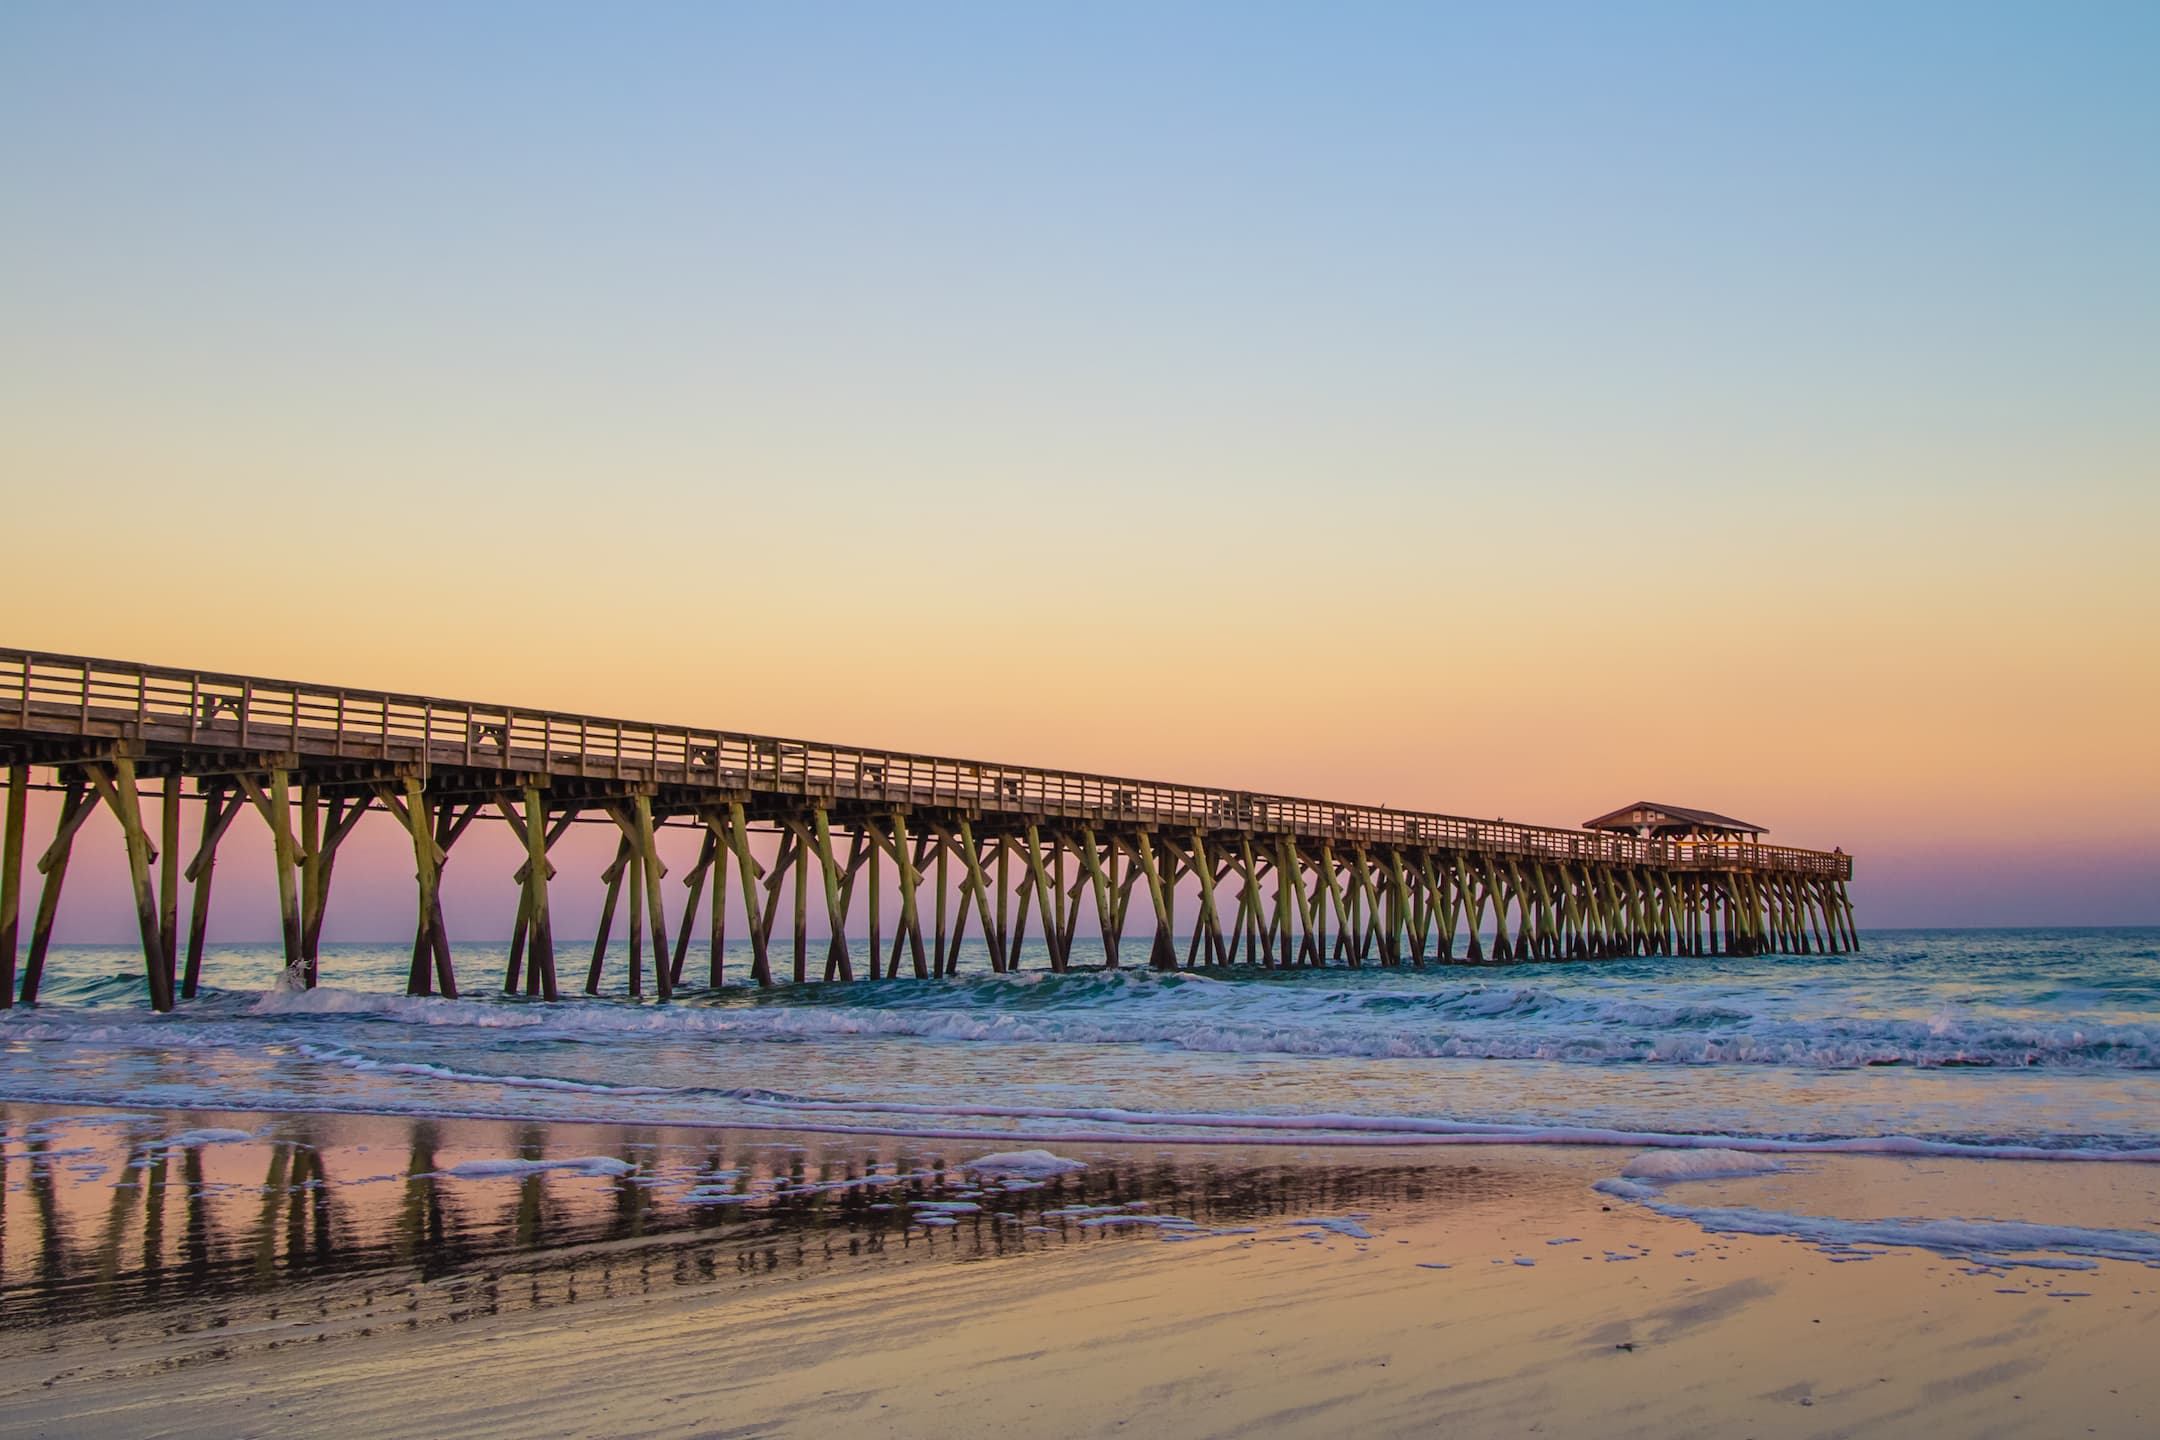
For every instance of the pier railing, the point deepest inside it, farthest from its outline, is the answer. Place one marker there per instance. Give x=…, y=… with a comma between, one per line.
x=47, y=694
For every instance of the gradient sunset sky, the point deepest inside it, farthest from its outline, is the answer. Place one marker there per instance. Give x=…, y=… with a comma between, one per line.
x=1504, y=409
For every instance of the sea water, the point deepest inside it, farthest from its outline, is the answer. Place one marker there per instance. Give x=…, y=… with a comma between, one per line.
x=2040, y=1043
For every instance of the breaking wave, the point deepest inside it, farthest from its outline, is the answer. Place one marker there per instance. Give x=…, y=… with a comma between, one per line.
x=1946, y=1044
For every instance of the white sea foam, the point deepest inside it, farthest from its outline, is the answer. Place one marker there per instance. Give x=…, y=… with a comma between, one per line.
x=341, y=1056
x=2000, y=1238
x=189, y=1139
x=1466, y=1021
x=1626, y=1189
x=1993, y=1243
x=1669, y=1165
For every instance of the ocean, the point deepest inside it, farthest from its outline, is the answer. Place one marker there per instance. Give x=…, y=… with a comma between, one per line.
x=2035, y=1043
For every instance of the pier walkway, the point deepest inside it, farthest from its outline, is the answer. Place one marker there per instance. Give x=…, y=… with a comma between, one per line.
x=1272, y=880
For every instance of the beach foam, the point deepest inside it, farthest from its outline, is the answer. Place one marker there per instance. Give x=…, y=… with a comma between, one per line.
x=1446, y=1020
x=1669, y=1165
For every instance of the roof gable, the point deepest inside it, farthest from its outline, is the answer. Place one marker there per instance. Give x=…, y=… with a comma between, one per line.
x=1649, y=812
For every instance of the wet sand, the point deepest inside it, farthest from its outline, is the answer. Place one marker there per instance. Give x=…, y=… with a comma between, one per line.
x=334, y=1275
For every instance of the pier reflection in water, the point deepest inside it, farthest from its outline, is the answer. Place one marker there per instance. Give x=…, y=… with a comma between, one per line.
x=233, y=1232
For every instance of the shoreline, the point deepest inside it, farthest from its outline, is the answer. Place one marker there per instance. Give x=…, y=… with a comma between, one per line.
x=1322, y=1131
x=335, y=1255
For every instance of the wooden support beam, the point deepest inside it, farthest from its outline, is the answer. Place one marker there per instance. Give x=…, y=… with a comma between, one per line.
x=76, y=803
x=960, y=925
x=310, y=862
x=1209, y=919
x=910, y=920
x=1538, y=876
x=993, y=938
x=1199, y=929
x=1045, y=899
x=1473, y=905
x=860, y=852
x=274, y=800
x=169, y=879
x=431, y=971
x=319, y=841
x=1409, y=883
x=1503, y=947
x=1336, y=899
x=1069, y=913
x=634, y=882
x=428, y=857
x=1571, y=920
x=1091, y=861
x=950, y=843
x=515, y=969
x=613, y=875
x=1161, y=957
x=1073, y=894
x=837, y=957
x=1002, y=957
x=1289, y=899
x=921, y=854
x=219, y=808
x=1249, y=907
x=649, y=858
x=695, y=883
x=634, y=820
x=450, y=823
x=71, y=820
x=716, y=944
x=1124, y=885
x=746, y=868
x=1024, y=888
x=943, y=883
x=1288, y=890
x=1267, y=912
x=878, y=845
x=802, y=907
x=11, y=866
x=776, y=878
x=1365, y=905
x=115, y=782
x=536, y=882
x=1525, y=905
x=1174, y=871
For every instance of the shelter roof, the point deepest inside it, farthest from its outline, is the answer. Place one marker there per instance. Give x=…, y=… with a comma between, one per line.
x=1648, y=812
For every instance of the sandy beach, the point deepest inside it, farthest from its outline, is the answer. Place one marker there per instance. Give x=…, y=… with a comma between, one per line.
x=307, y=1274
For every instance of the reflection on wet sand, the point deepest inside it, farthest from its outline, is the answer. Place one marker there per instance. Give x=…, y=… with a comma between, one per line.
x=258, y=1233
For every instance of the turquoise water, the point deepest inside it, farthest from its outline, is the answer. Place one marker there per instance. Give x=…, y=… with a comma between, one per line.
x=2036, y=1039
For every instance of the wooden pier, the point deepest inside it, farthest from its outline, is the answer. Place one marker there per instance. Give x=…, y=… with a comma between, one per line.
x=1272, y=880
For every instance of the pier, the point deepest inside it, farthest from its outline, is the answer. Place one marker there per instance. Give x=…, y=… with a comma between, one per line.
x=946, y=843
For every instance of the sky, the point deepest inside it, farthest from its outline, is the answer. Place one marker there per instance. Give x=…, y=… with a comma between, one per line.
x=1509, y=410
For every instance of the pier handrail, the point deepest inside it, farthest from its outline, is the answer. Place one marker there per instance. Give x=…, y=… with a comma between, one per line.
x=46, y=693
